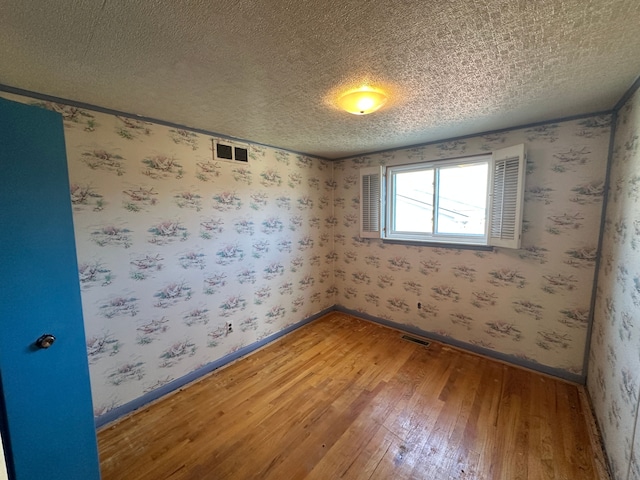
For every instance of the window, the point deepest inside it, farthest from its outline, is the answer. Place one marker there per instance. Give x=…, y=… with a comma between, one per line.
x=471, y=201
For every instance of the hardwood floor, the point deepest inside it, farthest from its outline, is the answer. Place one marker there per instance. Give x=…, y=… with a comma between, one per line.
x=346, y=398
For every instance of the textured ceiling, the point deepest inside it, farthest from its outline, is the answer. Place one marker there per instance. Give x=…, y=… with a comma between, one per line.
x=266, y=71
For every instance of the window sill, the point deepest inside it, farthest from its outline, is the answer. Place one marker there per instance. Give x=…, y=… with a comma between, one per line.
x=459, y=246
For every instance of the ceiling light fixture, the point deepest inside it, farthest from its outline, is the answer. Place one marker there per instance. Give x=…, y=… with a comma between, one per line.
x=362, y=101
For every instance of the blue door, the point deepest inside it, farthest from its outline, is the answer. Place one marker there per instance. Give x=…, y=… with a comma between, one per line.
x=45, y=400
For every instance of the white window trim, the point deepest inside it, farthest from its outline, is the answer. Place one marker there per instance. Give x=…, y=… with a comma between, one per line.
x=507, y=237
x=432, y=237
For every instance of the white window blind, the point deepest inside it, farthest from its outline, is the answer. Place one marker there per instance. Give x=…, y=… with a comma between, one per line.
x=370, y=202
x=507, y=195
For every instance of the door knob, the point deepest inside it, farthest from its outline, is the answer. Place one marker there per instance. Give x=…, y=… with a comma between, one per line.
x=45, y=341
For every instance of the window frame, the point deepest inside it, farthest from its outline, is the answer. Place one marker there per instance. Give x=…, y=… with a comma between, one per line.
x=503, y=210
x=434, y=237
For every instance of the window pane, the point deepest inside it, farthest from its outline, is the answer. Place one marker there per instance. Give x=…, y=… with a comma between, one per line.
x=413, y=201
x=462, y=199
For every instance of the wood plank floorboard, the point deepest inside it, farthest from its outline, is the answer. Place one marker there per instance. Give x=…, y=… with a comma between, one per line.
x=343, y=398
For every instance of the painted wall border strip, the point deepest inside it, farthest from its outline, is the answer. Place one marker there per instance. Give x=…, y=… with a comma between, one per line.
x=603, y=468
x=596, y=272
x=612, y=137
x=511, y=359
x=627, y=95
x=178, y=383
x=166, y=123
x=480, y=134
x=621, y=103
x=130, y=407
x=97, y=108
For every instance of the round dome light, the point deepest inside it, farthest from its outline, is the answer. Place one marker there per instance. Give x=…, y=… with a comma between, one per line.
x=362, y=101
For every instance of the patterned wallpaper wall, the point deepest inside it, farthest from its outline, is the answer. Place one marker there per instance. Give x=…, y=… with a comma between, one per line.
x=172, y=245
x=614, y=364
x=533, y=303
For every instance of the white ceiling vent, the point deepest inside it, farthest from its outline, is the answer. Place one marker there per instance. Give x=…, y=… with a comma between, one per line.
x=229, y=151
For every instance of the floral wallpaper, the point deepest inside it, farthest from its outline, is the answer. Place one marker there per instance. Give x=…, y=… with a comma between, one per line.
x=613, y=381
x=172, y=246
x=530, y=304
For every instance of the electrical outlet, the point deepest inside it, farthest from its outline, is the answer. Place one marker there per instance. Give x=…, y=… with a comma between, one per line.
x=229, y=328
